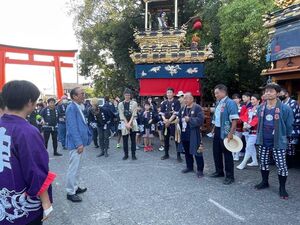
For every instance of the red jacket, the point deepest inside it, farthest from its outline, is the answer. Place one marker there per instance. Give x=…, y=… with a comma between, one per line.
x=252, y=122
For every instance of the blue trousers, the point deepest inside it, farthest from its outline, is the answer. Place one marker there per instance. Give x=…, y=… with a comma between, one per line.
x=62, y=133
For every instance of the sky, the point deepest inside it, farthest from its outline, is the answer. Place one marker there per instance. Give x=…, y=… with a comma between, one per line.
x=38, y=24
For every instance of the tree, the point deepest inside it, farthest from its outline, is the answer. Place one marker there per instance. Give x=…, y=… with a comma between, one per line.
x=244, y=40
x=234, y=27
x=106, y=29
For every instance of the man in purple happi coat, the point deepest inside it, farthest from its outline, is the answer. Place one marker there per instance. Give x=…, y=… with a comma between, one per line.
x=25, y=179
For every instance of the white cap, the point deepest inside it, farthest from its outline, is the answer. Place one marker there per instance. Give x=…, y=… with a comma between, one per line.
x=180, y=93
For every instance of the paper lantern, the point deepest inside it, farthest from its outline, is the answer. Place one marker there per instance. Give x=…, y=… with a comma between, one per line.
x=197, y=25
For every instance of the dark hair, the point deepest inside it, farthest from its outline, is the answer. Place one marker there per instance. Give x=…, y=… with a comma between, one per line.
x=2, y=106
x=127, y=91
x=257, y=96
x=170, y=89
x=285, y=91
x=236, y=95
x=106, y=98
x=147, y=103
x=74, y=92
x=51, y=100
x=40, y=105
x=274, y=86
x=248, y=94
x=17, y=93
x=221, y=87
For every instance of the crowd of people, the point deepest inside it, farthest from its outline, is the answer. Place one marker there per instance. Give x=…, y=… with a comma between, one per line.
x=269, y=125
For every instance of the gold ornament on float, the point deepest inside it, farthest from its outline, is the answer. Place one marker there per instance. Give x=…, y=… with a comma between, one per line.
x=286, y=3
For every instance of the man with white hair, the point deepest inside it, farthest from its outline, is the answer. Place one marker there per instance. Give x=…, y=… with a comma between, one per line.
x=191, y=119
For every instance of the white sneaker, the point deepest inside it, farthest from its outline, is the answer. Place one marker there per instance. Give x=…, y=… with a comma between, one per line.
x=137, y=148
x=236, y=158
x=252, y=164
x=161, y=148
x=240, y=167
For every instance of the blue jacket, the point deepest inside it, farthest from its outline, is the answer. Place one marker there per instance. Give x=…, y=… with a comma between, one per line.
x=283, y=125
x=78, y=132
x=229, y=112
x=196, y=121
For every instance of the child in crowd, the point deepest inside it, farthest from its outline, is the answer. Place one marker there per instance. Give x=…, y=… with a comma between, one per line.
x=147, y=122
x=139, y=122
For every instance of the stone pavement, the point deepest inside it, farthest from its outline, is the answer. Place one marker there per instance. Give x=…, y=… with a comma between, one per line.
x=150, y=191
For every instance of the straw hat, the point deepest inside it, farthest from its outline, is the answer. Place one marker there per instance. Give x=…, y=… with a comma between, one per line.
x=235, y=145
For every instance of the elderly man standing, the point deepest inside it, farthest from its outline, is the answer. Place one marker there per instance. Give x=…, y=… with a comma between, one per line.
x=225, y=121
x=78, y=136
x=191, y=119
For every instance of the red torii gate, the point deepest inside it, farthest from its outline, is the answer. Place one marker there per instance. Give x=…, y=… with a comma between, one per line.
x=31, y=52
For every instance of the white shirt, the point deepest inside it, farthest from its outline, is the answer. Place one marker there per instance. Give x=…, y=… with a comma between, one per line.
x=218, y=112
x=81, y=108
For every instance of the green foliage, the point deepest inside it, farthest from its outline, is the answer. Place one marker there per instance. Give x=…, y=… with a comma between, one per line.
x=242, y=34
x=105, y=29
x=89, y=92
x=239, y=41
x=234, y=27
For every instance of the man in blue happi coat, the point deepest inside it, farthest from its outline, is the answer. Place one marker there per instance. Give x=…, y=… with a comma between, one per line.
x=225, y=121
x=275, y=125
x=191, y=119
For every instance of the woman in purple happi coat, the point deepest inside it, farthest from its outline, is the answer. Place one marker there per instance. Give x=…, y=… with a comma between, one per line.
x=25, y=179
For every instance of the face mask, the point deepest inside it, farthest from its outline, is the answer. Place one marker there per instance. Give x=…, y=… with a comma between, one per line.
x=282, y=97
x=65, y=101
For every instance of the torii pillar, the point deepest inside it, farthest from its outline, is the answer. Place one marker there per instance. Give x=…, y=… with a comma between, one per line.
x=31, y=52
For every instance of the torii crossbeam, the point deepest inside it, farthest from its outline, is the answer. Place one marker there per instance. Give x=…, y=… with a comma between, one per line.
x=31, y=53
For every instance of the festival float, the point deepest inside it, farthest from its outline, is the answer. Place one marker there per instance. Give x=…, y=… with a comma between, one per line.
x=163, y=60
x=284, y=46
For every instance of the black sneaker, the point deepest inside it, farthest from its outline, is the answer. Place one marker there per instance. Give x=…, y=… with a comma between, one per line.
x=215, y=175
x=200, y=174
x=101, y=154
x=57, y=154
x=165, y=157
x=80, y=190
x=228, y=181
x=125, y=157
x=186, y=170
x=134, y=157
x=74, y=198
x=261, y=185
x=179, y=159
x=283, y=193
